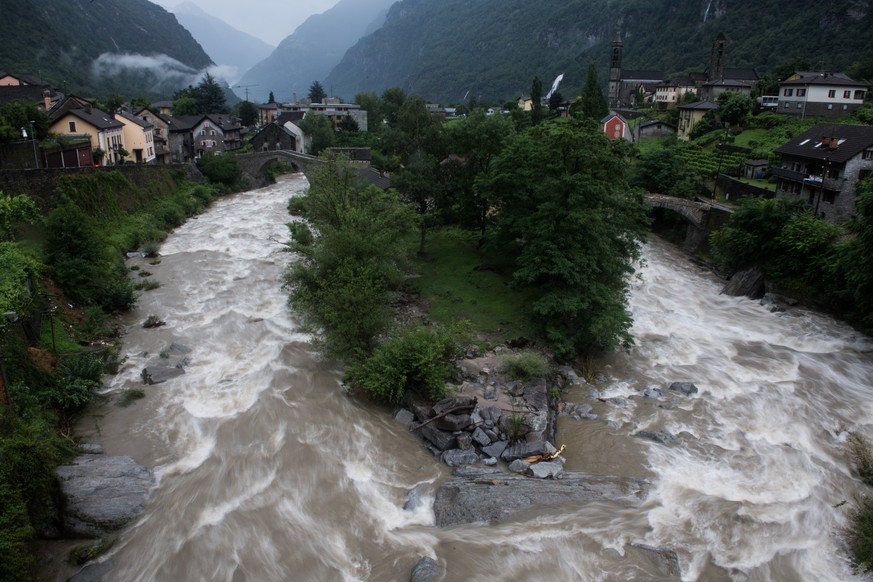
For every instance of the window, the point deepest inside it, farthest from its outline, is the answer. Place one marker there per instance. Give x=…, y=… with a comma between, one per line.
x=830, y=105
x=799, y=105
x=862, y=175
x=859, y=94
x=847, y=94
x=72, y=127
x=801, y=92
x=868, y=154
x=832, y=93
x=788, y=92
x=829, y=197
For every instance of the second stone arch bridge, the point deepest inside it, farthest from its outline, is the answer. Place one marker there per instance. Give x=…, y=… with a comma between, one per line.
x=702, y=216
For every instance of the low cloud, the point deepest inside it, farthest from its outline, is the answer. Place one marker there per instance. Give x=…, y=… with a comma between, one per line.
x=165, y=70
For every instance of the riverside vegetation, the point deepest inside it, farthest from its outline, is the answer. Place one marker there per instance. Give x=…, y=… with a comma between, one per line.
x=63, y=277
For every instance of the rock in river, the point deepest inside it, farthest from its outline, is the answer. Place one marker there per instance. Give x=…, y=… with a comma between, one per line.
x=490, y=495
x=103, y=493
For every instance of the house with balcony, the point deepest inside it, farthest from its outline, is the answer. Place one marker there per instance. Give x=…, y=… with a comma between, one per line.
x=812, y=94
x=103, y=131
x=192, y=136
x=160, y=130
x=822, y=165
x=139, y=137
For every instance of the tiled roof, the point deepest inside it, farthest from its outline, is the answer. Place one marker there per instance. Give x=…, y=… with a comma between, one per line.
x=704, y=105
x=813, y=78
x=99, y=119
x=847, y=142
x=134, y=119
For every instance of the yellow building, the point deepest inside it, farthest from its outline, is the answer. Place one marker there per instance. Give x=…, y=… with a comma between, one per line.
x=139, y=137
x=103, y=131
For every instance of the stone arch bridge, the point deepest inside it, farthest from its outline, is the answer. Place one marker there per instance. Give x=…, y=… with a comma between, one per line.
x=253, y=166
x=703, y=216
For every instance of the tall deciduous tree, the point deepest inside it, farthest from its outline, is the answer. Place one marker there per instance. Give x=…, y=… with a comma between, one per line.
x=247, y=112
x=476, y=141
x=344, y=282
x=575, y=229
x=857, y=256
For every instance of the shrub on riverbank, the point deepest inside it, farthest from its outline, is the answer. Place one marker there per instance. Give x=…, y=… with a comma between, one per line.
x=418, y=359
x=860, y=535
x=525, y=365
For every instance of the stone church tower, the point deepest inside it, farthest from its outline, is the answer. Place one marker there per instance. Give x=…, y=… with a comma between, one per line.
x=716, y=59
x=614, y=97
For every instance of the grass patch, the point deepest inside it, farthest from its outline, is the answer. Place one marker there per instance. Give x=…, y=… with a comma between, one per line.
x=651, y=144
x=454, y=290
x=525, y=365
x=60, y=340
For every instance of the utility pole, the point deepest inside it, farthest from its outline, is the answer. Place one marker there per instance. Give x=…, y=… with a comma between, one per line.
x=33, y=139
x=246, y=87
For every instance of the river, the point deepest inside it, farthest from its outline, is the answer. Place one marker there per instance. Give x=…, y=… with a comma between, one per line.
x=268, y=471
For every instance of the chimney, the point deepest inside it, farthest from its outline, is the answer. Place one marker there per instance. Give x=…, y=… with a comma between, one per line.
x=825, y=141
x=46, y=100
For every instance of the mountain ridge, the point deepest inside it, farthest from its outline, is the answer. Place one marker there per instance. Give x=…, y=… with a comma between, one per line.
x=493, y=49
x=314, y=48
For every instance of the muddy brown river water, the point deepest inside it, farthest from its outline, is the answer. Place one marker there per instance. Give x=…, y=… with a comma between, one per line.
x=268, y=471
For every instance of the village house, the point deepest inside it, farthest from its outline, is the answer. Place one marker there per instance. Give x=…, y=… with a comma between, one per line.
x=690, y=115
x=161, y=131
x=103, y=131
x=274, y=137
x=139, y=137
x=669, y=94
x=332, y=108
x=268, y=113
x=192, y=136
x=616, y=127
x=810, y=94
x=654, y=128
x=822, y=165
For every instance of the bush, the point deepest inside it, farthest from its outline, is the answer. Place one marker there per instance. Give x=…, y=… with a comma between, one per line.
x=862, y=454
x=77, y=378
x=223, y=169
x=859, y=535
x=418, y=359
x=525, y=365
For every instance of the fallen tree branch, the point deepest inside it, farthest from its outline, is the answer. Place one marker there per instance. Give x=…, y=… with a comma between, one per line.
x=446, y=413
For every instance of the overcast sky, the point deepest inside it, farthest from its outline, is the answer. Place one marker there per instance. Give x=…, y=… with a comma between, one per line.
x=269, y=20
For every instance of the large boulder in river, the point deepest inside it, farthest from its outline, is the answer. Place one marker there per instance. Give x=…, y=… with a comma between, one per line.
x=749, y=282
x=102, y=493
x=491, y=496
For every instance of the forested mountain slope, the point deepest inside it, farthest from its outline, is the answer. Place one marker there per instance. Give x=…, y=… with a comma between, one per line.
x=492, y=48
x=99, y=46
x=315, y=48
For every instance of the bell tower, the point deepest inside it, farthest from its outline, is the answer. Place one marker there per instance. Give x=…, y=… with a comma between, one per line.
x=614, y=97
x=716, y=59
